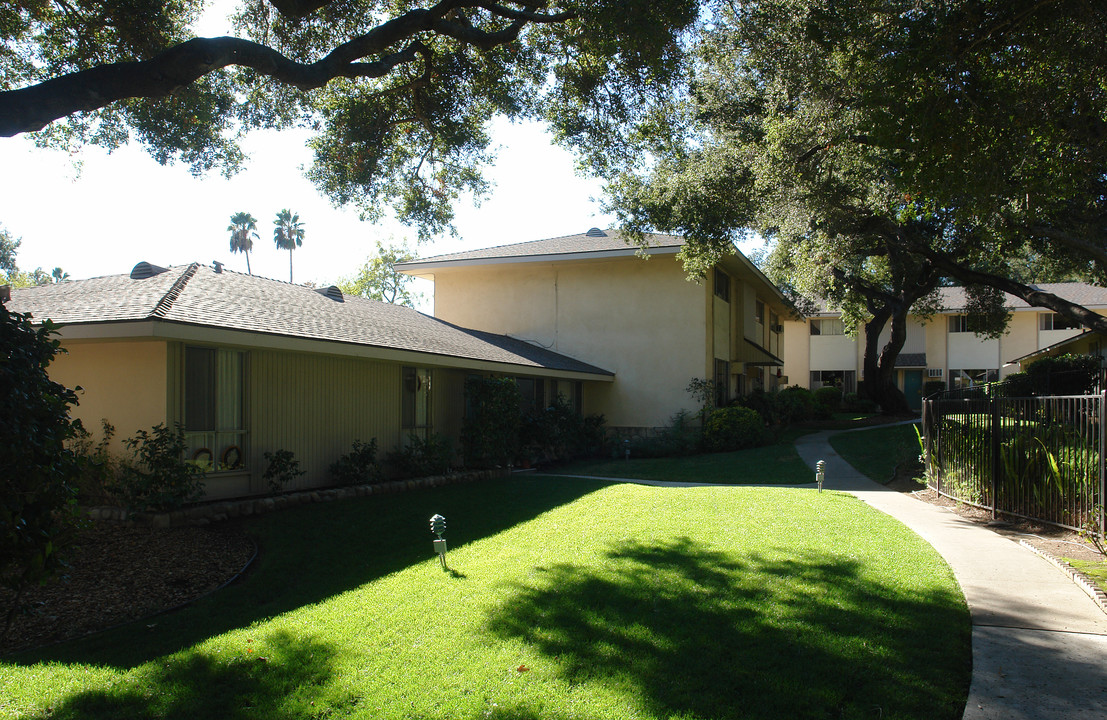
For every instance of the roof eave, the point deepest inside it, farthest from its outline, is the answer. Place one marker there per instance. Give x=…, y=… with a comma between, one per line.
x=171, y=330
x=418, y=268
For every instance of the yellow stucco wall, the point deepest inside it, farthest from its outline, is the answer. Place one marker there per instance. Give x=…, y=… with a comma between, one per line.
x=122, y=382
x=641, y=319
x=797, y=358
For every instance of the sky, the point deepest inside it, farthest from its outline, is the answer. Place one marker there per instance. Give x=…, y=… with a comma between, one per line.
x=99, y=214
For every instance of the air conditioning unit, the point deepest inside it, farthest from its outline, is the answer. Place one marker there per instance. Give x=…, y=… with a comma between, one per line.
x=778, y=328
x=934, y=372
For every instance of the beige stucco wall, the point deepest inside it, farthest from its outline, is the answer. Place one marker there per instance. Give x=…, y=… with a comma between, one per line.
x=1022, y=338
x=122, y=382
x=797, y=356
x=641, y=319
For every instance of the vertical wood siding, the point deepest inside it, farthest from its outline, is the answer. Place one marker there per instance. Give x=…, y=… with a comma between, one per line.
x=317, y=406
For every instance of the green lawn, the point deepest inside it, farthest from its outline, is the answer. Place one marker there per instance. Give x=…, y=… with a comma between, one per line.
x=776, y=464
x=1095, y=570
x=565, y=599
x=876, y=453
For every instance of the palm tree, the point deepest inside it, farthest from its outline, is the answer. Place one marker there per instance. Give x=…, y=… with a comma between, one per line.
x=243, y=229
x=288, y=234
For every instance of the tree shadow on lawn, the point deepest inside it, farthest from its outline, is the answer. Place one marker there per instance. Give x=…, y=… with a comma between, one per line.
x=276, y=680
x=692, y=632
x=313, y=552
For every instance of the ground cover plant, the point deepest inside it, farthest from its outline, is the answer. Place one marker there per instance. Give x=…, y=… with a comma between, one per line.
x=564, y=599
x=876, y=453
x=776, y=464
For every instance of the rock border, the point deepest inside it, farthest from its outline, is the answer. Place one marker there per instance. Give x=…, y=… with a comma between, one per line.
x=1084, y=582
x=222, y=510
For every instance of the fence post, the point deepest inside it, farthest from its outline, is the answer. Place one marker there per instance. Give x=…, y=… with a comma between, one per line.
x=995, y=455
x=1102, y=479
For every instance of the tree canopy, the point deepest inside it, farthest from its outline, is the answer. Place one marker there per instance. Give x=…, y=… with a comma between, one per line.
x=378, y=278
x=397, y=92
x=883, y=147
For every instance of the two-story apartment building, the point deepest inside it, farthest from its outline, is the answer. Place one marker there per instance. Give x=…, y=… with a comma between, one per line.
x=593, y=297
x=821, y=352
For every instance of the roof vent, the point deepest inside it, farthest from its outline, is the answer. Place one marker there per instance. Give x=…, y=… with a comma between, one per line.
x=145, y=270
x=332, y=292
x=217, y=265
x=595, y=232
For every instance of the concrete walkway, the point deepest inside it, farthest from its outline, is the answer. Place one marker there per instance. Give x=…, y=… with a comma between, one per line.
x=1039, y=643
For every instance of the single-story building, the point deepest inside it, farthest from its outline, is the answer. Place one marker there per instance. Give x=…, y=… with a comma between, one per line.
x=248, y=365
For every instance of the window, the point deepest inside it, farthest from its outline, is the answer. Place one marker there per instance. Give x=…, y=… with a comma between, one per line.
x=415, y=398
x=846, y=380
x=971, y=378
x=722, y=285
x=214, y=422
x=722, y=383
x=959, y=323
x=1053, y=321
x=827, y=326
x=532, y=394
x=759, y=312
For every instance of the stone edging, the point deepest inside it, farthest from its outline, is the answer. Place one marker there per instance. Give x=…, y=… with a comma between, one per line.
x=1083, y=581
x=219, y=511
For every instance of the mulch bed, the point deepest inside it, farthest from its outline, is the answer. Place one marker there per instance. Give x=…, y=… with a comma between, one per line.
x=119, y=574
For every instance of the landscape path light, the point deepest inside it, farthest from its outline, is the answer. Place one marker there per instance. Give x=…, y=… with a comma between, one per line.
x=820, y=473
x=438, y=527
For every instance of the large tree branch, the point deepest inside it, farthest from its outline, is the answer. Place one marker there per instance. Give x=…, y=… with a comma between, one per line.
x=32, y=108
x=1032, y=295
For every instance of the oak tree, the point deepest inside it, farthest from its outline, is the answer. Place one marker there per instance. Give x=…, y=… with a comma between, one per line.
x=397, y=92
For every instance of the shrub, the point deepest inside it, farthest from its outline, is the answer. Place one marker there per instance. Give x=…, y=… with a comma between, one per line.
x=829, y=397
x=852, y=402
x=156, y=477
x=681, y=437
x=560, y=433
x=933, y=387
x=1064, y=375
x=798, y=404
x=38, y=507
x=490, y=433
x=733, y=428
x=421, y=458
x=283, y=468
x=98, y=468
x=1018, y=384
x=359, y=466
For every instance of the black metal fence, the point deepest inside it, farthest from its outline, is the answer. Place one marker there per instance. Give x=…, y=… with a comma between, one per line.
x=1035, y=457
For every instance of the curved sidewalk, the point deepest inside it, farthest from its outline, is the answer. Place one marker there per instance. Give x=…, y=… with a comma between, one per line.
x=1039, y=643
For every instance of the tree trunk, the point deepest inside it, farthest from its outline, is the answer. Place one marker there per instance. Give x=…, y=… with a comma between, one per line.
x=880, y=385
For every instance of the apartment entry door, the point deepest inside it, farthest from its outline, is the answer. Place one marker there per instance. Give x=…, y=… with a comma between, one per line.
x=912, y=388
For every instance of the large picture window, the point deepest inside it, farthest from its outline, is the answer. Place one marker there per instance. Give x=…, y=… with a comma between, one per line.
x=846, y=380
x=971, y=378
x=214, y=407
x=1053, y=321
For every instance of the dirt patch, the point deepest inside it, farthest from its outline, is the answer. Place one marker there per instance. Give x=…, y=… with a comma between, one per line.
x=119, y=574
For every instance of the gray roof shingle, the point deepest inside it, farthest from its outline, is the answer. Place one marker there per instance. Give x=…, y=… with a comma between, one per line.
x=954, y=299
x=587, y=242
x=197, y=295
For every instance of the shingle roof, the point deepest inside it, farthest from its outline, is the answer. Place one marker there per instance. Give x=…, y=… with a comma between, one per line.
x=954, y=299
x=593, y=241
x=1080, y=293
x=197, y=295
